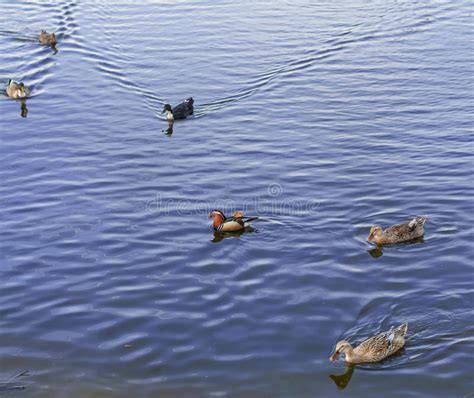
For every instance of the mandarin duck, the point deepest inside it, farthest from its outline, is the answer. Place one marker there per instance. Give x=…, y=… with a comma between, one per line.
x=237, y=222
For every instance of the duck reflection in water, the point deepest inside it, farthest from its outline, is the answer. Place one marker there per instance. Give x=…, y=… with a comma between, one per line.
x=343, y=379
x=220, y=236
x=377, y=251
x=24, y=109
x=169, y=130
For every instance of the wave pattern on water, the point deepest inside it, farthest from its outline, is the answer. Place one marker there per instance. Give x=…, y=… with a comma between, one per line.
x=321, y=118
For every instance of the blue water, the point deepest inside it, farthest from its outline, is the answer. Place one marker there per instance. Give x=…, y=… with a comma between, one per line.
x=322, y=118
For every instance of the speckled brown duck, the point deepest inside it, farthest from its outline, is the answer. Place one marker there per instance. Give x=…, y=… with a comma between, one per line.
x=237, y=222
x=398, y=233
x=16, y=90
x=374, y=349
x=47, y=38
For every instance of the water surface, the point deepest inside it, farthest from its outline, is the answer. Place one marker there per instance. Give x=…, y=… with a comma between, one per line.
x=322, y=118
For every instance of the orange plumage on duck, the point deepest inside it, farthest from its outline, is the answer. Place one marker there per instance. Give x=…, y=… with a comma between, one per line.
x=237, y=222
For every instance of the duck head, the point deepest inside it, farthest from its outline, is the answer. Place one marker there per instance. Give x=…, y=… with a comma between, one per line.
x=22, y=89
x=342, y=347
x=375, y=232
x=169, y=112
x=218, y=217
x=216, y=213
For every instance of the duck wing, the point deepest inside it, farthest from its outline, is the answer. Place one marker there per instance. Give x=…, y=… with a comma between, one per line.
x=417, y=222
x=184, y=109
x=404, y=232
x=245, y=220
x=374, y=348
x=230, y=225
x=398, y=230
x=382, y=345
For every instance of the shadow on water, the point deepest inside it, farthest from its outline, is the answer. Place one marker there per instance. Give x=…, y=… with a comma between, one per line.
x=377, y=251
x=24, y=109
x=220, y=236
x=342, y=380
x=169, y=130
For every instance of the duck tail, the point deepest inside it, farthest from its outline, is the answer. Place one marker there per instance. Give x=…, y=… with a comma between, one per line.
x=418, y=222
x=250, y=219
x=402, y=329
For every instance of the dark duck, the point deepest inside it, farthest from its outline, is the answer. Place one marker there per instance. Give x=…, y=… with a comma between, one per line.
x=180, y=111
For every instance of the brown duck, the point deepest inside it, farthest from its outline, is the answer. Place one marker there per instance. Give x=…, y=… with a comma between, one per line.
x=16, y=90
x=398, y=233
x=375, y=348
x=47, y=38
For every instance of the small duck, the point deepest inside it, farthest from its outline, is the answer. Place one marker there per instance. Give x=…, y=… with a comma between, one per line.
x=235, y=223
x=16, y=90
x=375, y=348
x=181, y=111
x=398, y=233
x=47, y=38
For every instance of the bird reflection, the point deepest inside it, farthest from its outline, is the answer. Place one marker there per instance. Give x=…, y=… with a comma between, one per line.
x=377, y=251
x=343, y=380
x=169, y=130
x=220, y=236
x=24, y=109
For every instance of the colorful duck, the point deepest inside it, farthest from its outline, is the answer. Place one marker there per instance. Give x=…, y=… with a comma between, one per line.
x=235, y=223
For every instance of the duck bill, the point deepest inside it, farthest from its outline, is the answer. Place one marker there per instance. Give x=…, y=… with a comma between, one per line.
x=370, y=238
x=334, y=356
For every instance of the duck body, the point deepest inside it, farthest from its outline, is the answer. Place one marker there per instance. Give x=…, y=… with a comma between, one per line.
x=16, y=90
x=375, y=348
x=237, y=222
x=180, y=111
x=47, y=38
x=398, y=233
